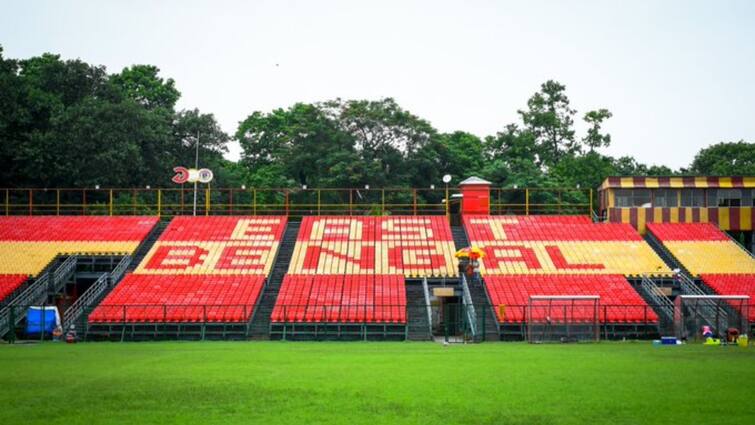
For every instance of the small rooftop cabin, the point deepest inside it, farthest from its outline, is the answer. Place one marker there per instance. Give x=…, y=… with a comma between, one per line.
x=728, y=202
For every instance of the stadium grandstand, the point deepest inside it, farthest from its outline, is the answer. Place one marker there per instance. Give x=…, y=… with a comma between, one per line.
x=283, y=267
x=352, y=270
x=704, y=252
x=201, y=270
x=727, y=202
x=564, y=255
x=52, y=259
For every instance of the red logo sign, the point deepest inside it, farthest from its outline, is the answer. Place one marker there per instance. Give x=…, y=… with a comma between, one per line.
x=191, y=175
x=182, y=175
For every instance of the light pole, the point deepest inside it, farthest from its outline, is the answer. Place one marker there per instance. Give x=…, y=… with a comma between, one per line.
x=447, y=180
x=196, y=167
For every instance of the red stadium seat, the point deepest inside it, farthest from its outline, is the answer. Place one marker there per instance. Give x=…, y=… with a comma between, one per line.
x=9, y=283
x=29, y=244
x=412, y=246
x=75, y=228
x=734, y=284
x=543, y=245
x=702, y=248
x=352, y=269
x=341, y=299
x=619, y=302
x=183, y=298
x=687, y=232
x=201, y=269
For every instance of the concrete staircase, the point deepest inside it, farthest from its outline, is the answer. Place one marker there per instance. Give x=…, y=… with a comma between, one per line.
x=484, y=309
x=460, y=237
x=100, y=289
x=146, y=245
x=477, y=291
x=417, y=321
x=260, y=324
x=51, y=281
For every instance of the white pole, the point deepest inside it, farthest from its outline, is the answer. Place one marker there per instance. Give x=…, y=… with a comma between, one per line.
x=196, y=166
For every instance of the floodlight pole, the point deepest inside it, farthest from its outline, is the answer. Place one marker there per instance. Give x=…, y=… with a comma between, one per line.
x=448, y=212
x=196, y=166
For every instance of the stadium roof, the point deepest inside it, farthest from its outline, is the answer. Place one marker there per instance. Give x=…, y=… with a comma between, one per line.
x=678, y=182
x=474, y=180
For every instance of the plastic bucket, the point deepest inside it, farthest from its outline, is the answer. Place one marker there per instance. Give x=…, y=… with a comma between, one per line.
x=742, y=341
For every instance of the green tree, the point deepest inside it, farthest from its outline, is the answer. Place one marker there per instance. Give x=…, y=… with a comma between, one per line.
x=628, y=166
x=39, y=91
x=13, y=117
x=386, y=138
x=726, y=159
x=512, y=159
x=380, y=125
x=53, y=84
x=303, y=142
x=461, y=154
x=68, y=123
x=594, y=138
x=264, y=176
x=550, y=119
x=98, y=142
x=583, y=172
x=659, y=170
x=143, y=84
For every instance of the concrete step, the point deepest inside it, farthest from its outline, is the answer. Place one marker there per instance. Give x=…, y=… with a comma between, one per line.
x=146, y=245
x=460, y=237
x=418, y=328
x=260, y=326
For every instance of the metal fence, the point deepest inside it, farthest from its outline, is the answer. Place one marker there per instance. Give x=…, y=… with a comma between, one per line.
x=455, y=322
x=541, y=201
x=285, y=201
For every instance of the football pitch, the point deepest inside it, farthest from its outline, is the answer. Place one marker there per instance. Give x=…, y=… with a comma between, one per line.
x=375, y=383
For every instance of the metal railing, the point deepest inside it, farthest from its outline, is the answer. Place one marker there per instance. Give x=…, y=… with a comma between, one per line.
x=742, y=247
x=163, y=319
x=528, y=201
x=426, y=290
x=120, y=269
x=76, y=309
x=50, y=282
x=688, y=286
x=28, y=297
x=598, y=218
x=706, y=308
x=345, y=313
x=355, y=313
x=61, y=274
x=468, y=306
x=284, y=201
x=171, y=313
x=608, y=313
x=653, y=292
x=719, y=312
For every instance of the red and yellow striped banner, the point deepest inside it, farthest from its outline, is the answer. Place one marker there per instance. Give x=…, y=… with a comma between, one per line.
x=683, y=182
x=726, y=218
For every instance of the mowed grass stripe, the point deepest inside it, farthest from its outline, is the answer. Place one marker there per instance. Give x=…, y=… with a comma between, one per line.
x=374, y=383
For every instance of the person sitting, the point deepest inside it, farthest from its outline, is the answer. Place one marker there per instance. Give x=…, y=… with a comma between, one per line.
x=71, y=335
x=463, y=262
x=732, y=335
x=57, y=333
x=707, y=332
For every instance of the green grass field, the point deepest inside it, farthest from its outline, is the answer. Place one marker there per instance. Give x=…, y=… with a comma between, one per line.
x=375, y=383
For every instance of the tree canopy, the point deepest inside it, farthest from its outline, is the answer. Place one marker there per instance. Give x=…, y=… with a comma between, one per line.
x=66, y=123
x=726, y=159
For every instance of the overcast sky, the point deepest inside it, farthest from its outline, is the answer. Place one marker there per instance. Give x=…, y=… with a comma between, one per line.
x=677, y=75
